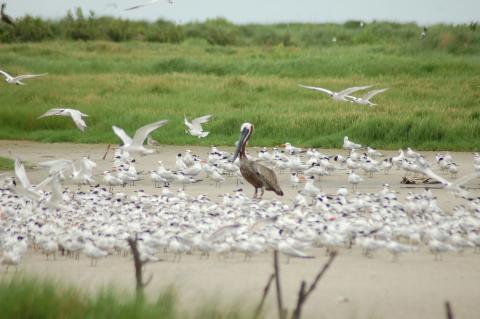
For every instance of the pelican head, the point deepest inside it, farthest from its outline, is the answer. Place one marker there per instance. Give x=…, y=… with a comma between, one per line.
x=245, y=131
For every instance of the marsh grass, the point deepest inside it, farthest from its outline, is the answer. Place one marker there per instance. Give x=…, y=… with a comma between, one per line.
x=432, y=102
x=33, y=298
x=6, y=164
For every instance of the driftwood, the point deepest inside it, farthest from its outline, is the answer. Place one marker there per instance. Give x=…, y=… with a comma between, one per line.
x=138, y=266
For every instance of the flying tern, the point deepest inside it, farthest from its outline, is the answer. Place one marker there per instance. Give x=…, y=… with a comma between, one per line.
x=76, y=116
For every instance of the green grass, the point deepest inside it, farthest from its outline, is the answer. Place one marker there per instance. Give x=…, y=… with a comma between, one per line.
x=6, y=164
x=433, y=101
x=30, y=298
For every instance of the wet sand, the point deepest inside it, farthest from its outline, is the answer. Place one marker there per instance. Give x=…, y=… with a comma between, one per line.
x=355, y=286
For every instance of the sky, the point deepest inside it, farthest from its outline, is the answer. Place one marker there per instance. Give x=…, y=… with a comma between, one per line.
x=423, y=12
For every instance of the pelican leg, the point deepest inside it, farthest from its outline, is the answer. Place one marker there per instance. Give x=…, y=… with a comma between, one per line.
x=255, y=193
x=261, y=195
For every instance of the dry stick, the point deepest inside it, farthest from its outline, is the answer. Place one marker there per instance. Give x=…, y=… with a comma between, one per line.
x=138, y=266
x=258, y=311
x=448, y=309
x=281, y=311
x=302, y=295
x=105, y=156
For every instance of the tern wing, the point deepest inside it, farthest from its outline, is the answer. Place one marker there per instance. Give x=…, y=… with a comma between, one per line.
x=51, y=112
x=371, y=94
x=6, y=75
x=316, y=89
x=223, y=230
x=135, y=7
x=21, y=174
x=465, y=179
x=188, y=124
x=197, y=123
x=431, y=174
x=56, y=165
x=77, y=119
x=45, y=182
x=29, y=76
x=142, y=133
x=353, y=89
x=122, y=135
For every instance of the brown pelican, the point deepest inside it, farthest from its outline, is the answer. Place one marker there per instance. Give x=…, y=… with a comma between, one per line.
x=6, y=18
x=255, y=173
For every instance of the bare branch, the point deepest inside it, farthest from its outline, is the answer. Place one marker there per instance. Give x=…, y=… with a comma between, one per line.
x=138, y=265
x=258, y=311
x=333, y=254
x=281, y=310
x=301, y=298
x=108, y=148
x=448, y=309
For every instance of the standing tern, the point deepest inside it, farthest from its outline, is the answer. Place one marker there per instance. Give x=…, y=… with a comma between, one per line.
x=135, y=145
x=337, y=96
x=18, y=79
x=76, y=116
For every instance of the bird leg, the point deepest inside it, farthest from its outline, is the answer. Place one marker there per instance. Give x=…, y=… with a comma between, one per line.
x=255, y=193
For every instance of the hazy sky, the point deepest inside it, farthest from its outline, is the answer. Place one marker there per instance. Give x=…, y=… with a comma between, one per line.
x=264, y=11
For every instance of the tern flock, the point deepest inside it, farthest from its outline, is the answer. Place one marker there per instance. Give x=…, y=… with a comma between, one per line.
x=97, y=221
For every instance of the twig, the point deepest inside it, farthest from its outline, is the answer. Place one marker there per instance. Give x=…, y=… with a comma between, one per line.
x=448, y=309
x=258, y=311
x=301, y=299
x=138, y=266
x=333, y=254
x=105, y=156
x=281, y=310
x=302, y=295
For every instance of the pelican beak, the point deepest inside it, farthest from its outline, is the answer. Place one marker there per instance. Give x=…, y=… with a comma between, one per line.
x=241, y=141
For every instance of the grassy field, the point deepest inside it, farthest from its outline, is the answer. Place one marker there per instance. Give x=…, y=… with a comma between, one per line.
x=29, y=298
x=6, y=164
x=433, y=101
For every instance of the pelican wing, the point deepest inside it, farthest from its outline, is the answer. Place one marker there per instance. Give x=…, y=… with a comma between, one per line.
x=268, y=177
x=316, y=89
x=77, y=119
x=122, y=135
x=21, y=174
x=142, y=133
x=51, y=112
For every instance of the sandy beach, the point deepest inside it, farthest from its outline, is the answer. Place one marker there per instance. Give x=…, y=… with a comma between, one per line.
x=355, y=287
